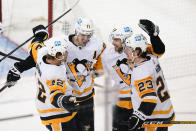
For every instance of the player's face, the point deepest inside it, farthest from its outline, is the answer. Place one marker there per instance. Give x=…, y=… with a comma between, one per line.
x=117, y=43
x=136, y=53
x=61, y=58
x=83, y=39
x=129, y=52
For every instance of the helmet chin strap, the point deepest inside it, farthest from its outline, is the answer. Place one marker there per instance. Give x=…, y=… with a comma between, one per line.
x=123, y=46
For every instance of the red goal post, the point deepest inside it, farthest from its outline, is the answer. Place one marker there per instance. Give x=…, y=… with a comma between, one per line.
x=50, y=17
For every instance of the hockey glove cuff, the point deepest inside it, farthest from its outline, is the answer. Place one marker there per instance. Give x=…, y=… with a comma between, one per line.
x=13, y=76
x=136, y=120
x=68, y=102
x=40, y=33
x=149, y=27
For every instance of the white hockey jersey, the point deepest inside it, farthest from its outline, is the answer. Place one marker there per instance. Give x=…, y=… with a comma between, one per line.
x=149, y=85
x=119, y=68
x=51, y=81
x=80, y=63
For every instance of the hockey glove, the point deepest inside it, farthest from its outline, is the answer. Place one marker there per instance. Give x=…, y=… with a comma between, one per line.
x=69, y=103
x=13, y=76
x=40, y=33
x=149, y=27
x=136, y=120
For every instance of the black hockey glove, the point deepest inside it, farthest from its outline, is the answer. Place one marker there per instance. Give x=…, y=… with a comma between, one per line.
x=13, y=76
x=69, y=103
x=136, y=120
x=149, y=27
x=40, y=33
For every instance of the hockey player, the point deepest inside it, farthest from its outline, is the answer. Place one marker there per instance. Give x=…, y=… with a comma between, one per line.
x=149, y=89
x=55, y=102
x=83, y=63
x=115, y=61
x=41, y=34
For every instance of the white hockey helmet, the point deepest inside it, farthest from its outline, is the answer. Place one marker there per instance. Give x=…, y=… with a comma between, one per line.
x=122, y=33
x=56, y=45
x=138, y=40
x=84, y=26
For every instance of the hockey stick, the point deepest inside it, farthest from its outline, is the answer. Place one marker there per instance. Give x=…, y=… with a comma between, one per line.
x=45, y=27
x=16, y=117
x=161, y=122
x=169, y=122
x=3, y=88
x=11, y=57
x=6, y=85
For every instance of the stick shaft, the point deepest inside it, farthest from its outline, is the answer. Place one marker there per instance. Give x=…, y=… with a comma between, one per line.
x=161, y=122
x=17, y=48
x=16, y=117
x=46, y=27
x=11, y=57
x=3, y=88
x=6, y=84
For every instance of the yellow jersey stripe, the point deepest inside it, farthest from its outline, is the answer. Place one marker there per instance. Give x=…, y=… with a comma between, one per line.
x=149, y=100
x=56, y=126
x=125, y=104
x=163, y=112
x=59, y=120
x=50, y=110
x=151, y=51
x=33, y=49
x=52, y=98
x=125, y=92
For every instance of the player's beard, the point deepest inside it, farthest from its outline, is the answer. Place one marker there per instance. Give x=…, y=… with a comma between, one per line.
x=119, y=49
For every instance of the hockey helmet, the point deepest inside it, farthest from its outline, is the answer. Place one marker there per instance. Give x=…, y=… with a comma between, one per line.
x=122, y=32
x=56, y=46
x=137, y=41
x=84, y=26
